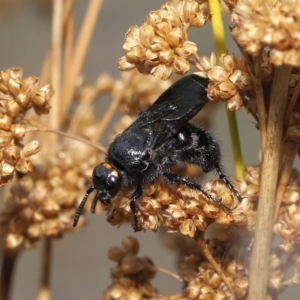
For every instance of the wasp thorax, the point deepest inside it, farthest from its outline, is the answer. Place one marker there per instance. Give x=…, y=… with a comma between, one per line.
x=107, y=179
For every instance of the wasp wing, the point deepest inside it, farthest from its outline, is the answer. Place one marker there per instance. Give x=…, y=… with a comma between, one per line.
x=173, y=109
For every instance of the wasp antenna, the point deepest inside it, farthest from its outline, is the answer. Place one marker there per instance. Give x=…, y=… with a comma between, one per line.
x=94, y=203
x=81, y=205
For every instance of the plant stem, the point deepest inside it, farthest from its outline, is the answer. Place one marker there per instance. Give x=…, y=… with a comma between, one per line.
x=79, y=53
x=74, y=137
x=291, y=150
x=56, y=58
x=44, y=291
x=202, y=243
x=219, y=36
x=259, y=263
x=7, y=268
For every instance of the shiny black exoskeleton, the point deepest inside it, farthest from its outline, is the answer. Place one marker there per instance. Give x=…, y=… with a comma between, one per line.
x=159, y=138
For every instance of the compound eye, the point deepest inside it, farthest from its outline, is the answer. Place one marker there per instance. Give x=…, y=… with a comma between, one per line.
x=114, y=183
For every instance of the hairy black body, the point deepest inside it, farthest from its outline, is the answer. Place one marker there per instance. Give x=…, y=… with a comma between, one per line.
x=159, y=138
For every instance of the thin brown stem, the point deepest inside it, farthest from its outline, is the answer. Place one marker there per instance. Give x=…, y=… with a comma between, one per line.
x=212, y=261
x=291, y=151
x=164, y=271
x=86, y=100
x=44, y=290
x=258, y=273
x=68, y=37
x=292, y=103
x=56, y=58
x=74, y=137
x=79, y=54
x=111, y=110
x=7, y=268
x=254, y=64
x=106, y=118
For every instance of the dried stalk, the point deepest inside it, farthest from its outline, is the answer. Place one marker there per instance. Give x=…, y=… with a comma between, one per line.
x=61, y=133
x=258, y=273
x=291, y=150
x=292, y=103
x=56, y=58
x=254, y=64
x=79, y=53
x=202, y=243
x=44, y=291
x=164, y=271
x=8, y=263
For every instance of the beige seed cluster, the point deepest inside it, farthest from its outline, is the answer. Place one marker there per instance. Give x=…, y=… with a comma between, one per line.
x=274, y=24
x=44, y=204
x=227, y=80
x=232, y=251
x=287, y=226
x=132, y=275
x=17, y=96
x=181, y=209
x=161, y=46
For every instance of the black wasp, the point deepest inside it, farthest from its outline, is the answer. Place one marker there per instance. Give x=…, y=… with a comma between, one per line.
x=159, y=138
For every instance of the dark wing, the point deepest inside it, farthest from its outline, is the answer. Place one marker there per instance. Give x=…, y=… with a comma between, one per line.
x=173, y=109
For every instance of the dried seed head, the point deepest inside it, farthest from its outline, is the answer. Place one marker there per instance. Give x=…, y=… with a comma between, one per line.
x=45, y=203
x=160, y=46
x=20, y=95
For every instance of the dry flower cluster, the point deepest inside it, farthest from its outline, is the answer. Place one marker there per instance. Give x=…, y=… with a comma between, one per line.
x=182, y=209
x=132, y=275
x=43, y=204
x=17, y=96
x=161, y=46
x=274, y=24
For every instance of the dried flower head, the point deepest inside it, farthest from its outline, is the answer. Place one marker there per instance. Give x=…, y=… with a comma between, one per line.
x=182, y=209
x=132, y=275
x=161, y=46
x=273, y=24
x=227, y=80
x=44, y=204
x=17, y=96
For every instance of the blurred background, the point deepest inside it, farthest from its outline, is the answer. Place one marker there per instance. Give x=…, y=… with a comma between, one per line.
x=80, y=267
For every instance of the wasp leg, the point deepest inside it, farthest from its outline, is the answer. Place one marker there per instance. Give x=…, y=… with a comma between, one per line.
x=195, y=145
x=135, y=196
x=174, y=178
x=223, y=177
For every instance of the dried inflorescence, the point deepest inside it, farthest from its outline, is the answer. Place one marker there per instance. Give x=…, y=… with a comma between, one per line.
x=161, y=46
x=44, y=204
x=270, y=23
x=132, y=275
x=182, y=209
x=287, y=225
x=232, y=252
x=17, y=96
x=227, y=80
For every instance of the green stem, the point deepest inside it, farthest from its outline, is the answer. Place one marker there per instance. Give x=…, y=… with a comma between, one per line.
x=235, y=144
x=219, y=37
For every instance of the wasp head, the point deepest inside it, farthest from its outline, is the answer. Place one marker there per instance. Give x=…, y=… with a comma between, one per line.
x=106, y=182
